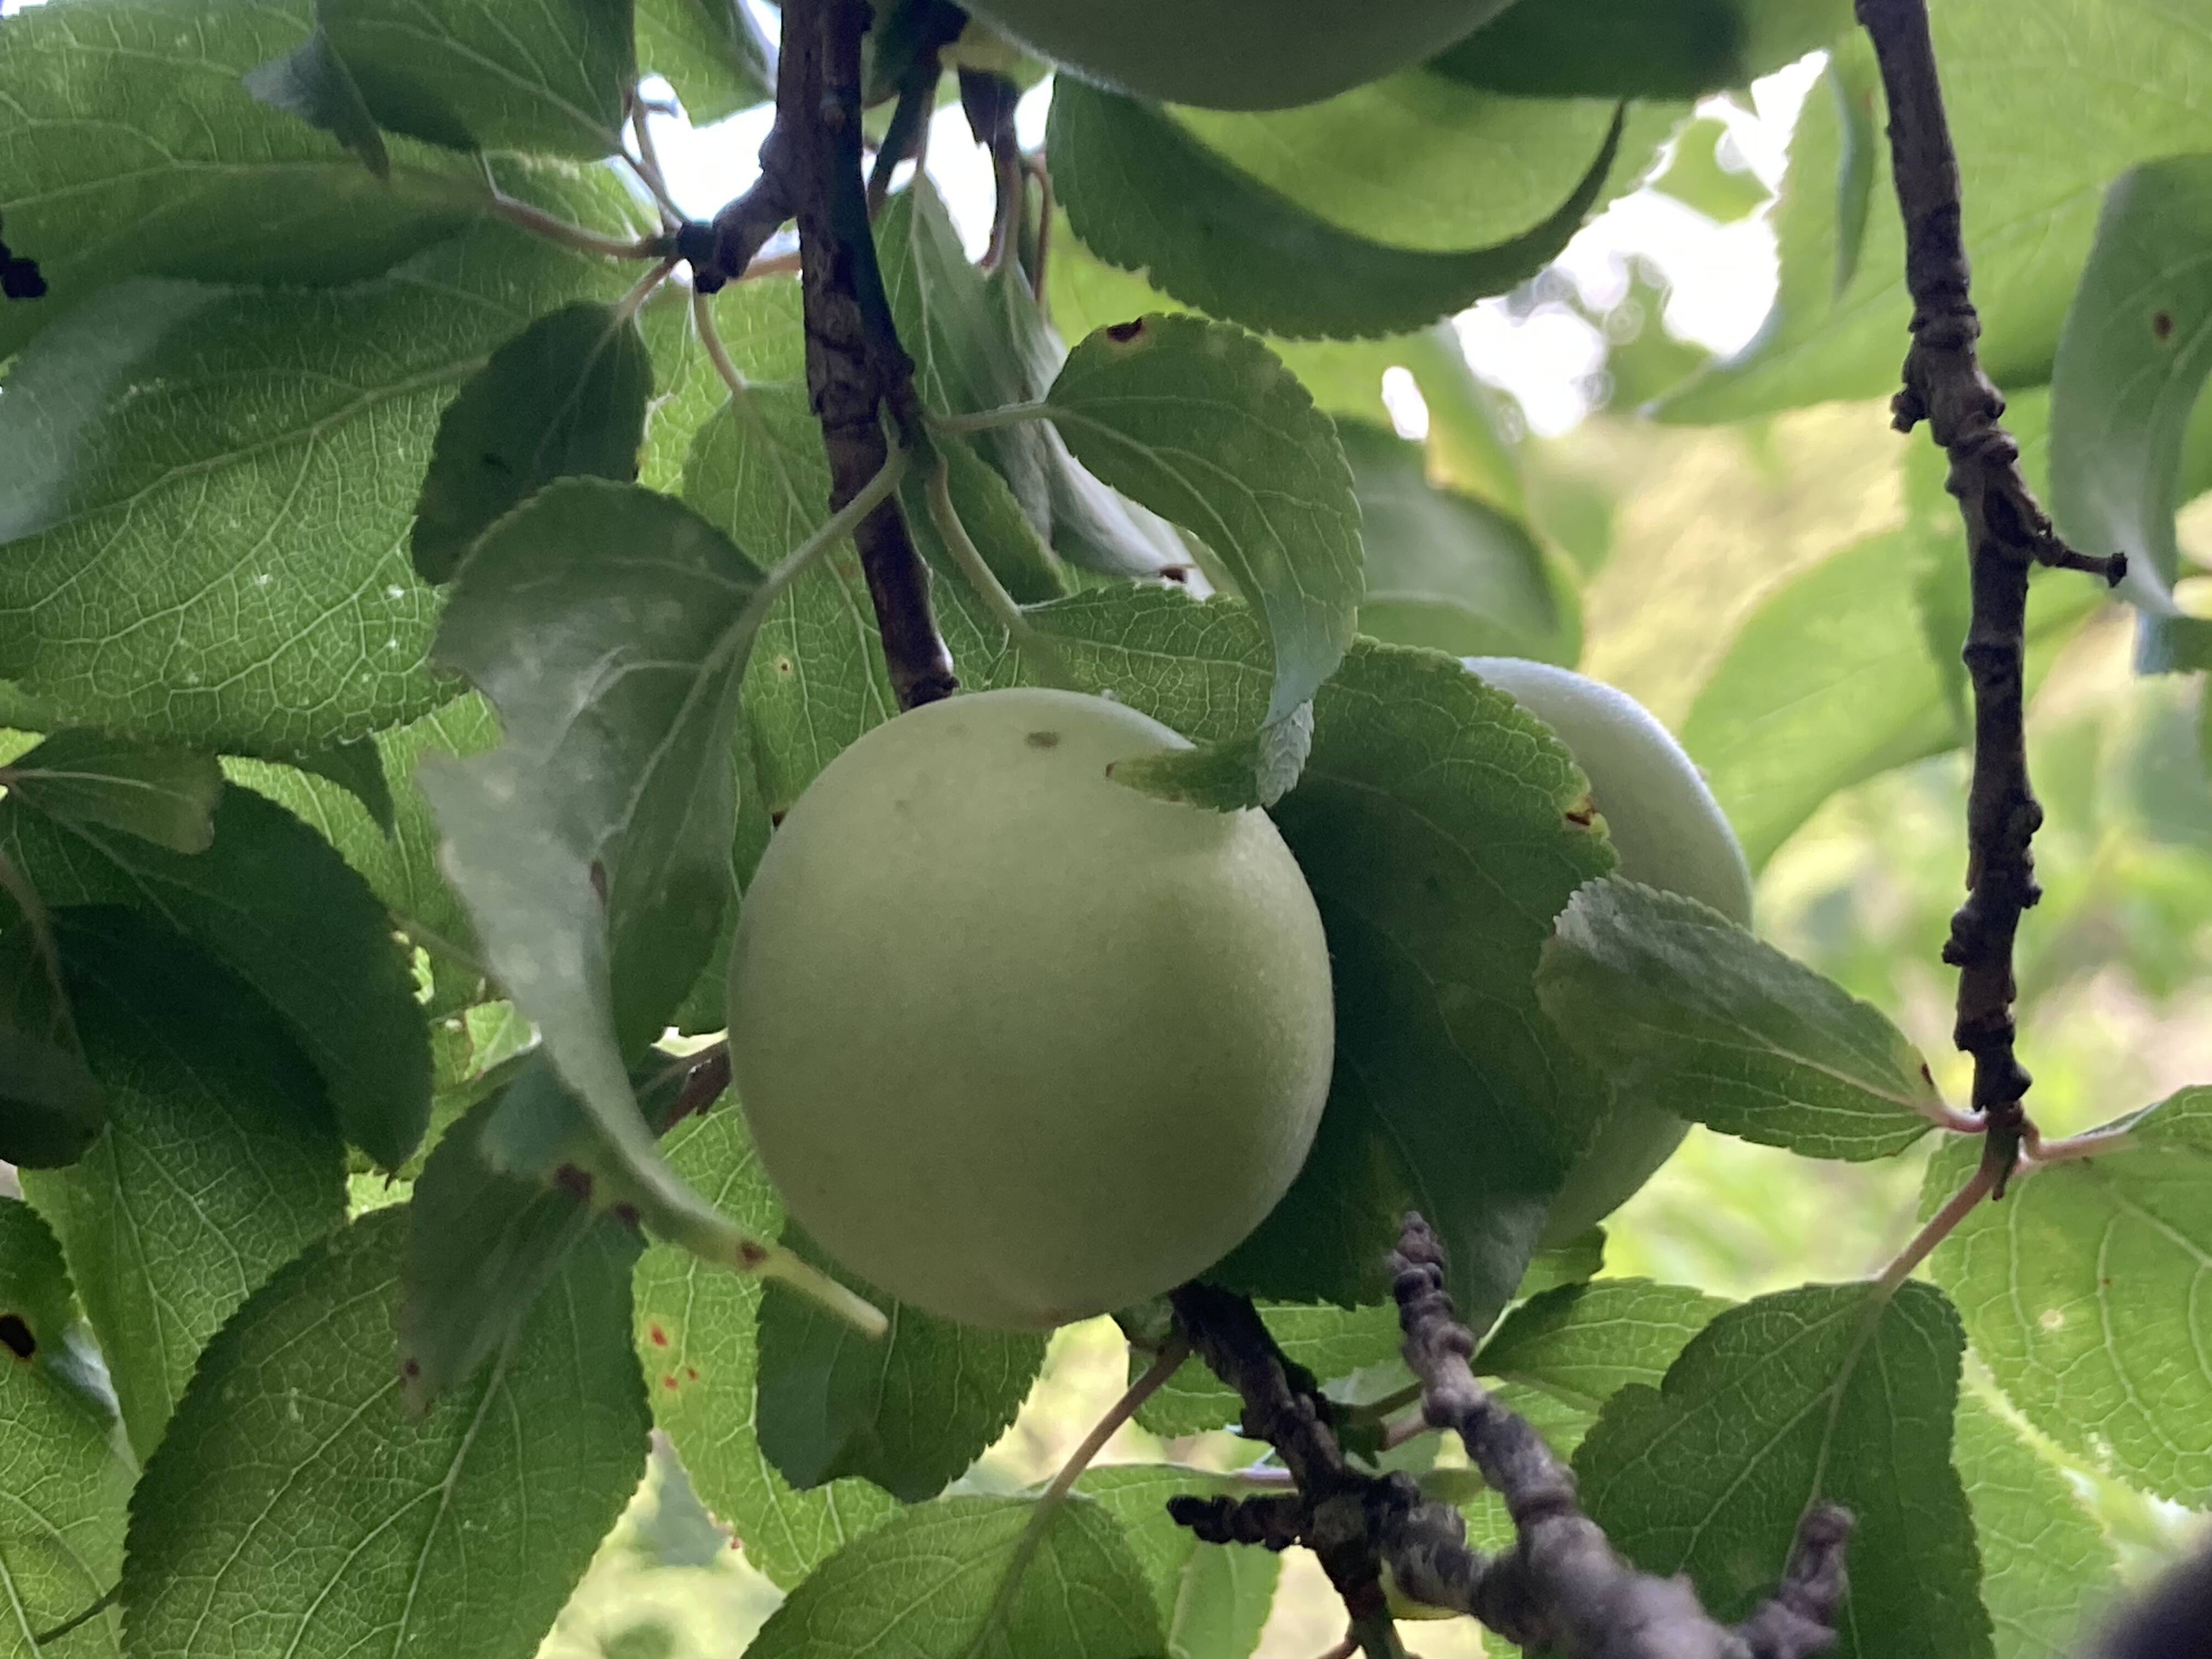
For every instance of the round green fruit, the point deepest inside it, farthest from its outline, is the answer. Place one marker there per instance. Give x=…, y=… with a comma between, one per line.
x=1018, y=1044
x=1669, y=833
x=1235, y=54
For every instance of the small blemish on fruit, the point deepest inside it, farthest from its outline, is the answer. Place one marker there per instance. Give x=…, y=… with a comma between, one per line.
x=2161, y=325
x=1122, y=333
x=1042, y=740
x=750, y=1255
x=16, y=1336
x=659, y=1337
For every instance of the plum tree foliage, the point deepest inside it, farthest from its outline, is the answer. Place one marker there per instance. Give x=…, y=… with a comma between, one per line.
x=614, y=821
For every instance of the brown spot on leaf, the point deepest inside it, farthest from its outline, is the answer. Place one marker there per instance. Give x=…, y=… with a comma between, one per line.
x=691, y=1371
x=785, y=666
x=1042, y=740
x=576, y=1182
x=2161, y=325
x=1583, y=813
x=751, y=1255
x=1177, y=573
x=659, y=1337
x=16, y=1336
x=599, y=882
x=669, y=1382
x=775, y=819
x=1122, y=333
x=411, y=1369
x=627, y=1214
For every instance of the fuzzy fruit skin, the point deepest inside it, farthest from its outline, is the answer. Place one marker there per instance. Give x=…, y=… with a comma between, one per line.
x=1018, y=1044
x=1236, y=54
x=1669, y=833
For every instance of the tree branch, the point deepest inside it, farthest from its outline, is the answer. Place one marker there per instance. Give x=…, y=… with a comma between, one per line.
x=855, y=369
x=1561, y=1589
x=2007, y=533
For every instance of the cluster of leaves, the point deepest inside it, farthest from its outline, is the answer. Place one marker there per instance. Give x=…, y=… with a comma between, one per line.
x=414, y=627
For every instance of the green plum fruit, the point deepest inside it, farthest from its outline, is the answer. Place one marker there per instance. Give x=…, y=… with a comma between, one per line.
x=1018, y=1044
x=1669, y=833
x=1235, y=54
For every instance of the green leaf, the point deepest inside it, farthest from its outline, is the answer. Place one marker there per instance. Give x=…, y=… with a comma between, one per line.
x=219, y=1162
x=697, y=1339
x=2134, y=356
x=1431, y=823
x=910, y=1411
x=1214, y=1600
x=482, y=1246
x=462, y=1531
x=1330, y=1342
x=401, y=864
x=1688, y=1013
x=1699, y=177
x=51, y=1106
x=2033, y=186
x=313, y=82
x=1203, y=425
x=551, y=78
x=1445, y=571
x=67, y=1480
x=130, y=148
x=1583, y=1344
x=1416, y=161
x=2080, y=1291
x=932, y=1577
x=609, y=626
x=1234, y=247
x=1827, y=684
x=2047, y=1568
x=357, y=768
x=1827, y=1392
x=712, y=52
x=1632, y=49
x=166, y=796
x=565, y=398
x=187, y=553
x=278, y=907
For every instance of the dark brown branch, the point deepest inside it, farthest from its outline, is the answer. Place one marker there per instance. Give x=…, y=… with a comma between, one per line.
x=856, y=371
x=2007, y=534
x=907, y=135
x=1560, y=1589
x=988, y=100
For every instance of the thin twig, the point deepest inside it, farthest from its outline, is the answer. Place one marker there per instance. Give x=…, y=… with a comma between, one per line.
x=647, y=164
x=641, y=290
x=855, y=370
x=2007, y=534
x=989, y=100
x=710, y=338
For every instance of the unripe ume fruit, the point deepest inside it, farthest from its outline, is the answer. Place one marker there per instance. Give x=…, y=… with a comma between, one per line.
x=1018, y=1044
x=1236, y=54
x=1669, y=833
